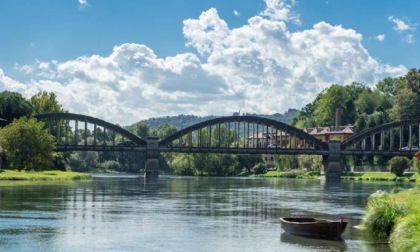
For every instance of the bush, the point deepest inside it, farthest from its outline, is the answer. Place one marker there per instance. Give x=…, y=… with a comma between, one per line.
x=293, y=174
x=382, y=213
x=398, y=165
x=260, y=168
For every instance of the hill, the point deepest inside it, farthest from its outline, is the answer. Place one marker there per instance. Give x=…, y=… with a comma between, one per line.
x=184, y=121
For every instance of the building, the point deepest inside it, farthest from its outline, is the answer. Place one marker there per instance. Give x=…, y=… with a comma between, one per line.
x=335, y=133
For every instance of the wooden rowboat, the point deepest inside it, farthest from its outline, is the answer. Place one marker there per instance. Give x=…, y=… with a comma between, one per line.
x=312, y=227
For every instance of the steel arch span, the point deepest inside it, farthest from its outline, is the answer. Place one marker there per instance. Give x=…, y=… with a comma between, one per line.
x=400, y=138
x=243, y=134
x=106, y=136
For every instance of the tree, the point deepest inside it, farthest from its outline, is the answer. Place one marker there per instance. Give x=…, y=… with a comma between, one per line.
x=165, y=130
x=398, y=165
x=28, y=145
x=140, y=129
x=413, y=80
x=390, y=87
x=406, y=106
x=44, y=102
x=260, y=168
x=13, y=106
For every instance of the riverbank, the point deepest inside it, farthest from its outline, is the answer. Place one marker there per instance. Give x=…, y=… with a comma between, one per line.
x=376, y=176
x=43, y=175
x=395, y=216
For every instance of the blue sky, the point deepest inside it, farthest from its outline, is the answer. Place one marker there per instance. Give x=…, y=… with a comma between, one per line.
x=124, y=61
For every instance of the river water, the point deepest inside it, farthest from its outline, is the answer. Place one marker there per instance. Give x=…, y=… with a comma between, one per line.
x=179, y=214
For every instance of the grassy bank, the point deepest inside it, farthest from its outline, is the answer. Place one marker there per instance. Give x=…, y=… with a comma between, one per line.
x=375, y=176
x=381, y=176
x=43, y=175
x=291, y=174
x=396, y=217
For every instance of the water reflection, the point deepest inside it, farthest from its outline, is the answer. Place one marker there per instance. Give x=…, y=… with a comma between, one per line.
x=314, y=244
x=177, y=214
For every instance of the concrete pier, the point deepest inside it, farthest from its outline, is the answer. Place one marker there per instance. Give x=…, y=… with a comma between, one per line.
x=151, y=169
x=331, y=171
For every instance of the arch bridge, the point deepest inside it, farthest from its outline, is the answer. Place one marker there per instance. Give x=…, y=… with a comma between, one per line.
x=233, y=134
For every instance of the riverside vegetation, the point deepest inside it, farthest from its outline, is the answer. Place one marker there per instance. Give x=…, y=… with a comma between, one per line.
x=395, y=216
x=43, y=175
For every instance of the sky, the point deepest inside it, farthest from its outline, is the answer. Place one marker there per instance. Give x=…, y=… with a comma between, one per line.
x=126, y=61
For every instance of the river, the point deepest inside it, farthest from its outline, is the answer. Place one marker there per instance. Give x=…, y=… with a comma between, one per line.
x=124, y=213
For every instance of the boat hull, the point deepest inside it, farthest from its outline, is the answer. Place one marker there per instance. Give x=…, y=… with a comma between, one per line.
x=311, y=227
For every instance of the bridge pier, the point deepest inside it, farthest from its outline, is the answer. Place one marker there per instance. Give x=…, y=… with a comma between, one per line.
x=151, y=169
x=331, y=171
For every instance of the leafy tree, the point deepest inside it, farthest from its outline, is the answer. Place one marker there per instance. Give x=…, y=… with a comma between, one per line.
x=44, y=102
x=165, y=130
x=413, y=80
x=140, y=129
x=84, y=161
x=260, y=168
x=406, y=106
x=286, y=162
x=13, y=106
x=248, y=161
x=398, y=165
x=28, y=145
x=390, y=87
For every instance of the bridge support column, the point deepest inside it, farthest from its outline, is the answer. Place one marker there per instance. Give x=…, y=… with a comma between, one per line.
x=151, y=169
x=331, y=171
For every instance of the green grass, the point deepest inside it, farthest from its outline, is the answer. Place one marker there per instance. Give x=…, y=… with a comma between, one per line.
x=371, y=176
x=397, y=216
x=291, y=174
x=43, y=175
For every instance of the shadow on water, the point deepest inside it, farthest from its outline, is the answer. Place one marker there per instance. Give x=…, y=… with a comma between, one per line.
x=313, y=243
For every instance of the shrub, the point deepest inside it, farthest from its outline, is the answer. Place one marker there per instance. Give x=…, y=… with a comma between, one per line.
x=260, y=168
x=293, y=174
x=382, y=213
x=398, y=165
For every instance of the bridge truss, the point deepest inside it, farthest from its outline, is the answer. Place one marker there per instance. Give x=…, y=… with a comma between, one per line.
x=242, y=134
x=74, y=132
x=392, y=139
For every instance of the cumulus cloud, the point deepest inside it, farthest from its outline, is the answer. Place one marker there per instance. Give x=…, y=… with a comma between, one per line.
x=380, y=37
x=404, y=25
x=236, y=13
x=401, y=25
x=261, y=67
x=281, y=10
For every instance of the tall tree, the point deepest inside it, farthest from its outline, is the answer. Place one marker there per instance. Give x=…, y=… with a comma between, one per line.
x=413, y=80
x=13, y=106
x=44, y=102
x=390, y=87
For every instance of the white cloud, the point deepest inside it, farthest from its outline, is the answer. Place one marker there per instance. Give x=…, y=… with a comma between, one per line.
x=83, y=4
x=281, y=10
x=236, y=13
x=261, y=67
x=404, y=26
x=380, y=37
x=401, y=25
x=410, y=39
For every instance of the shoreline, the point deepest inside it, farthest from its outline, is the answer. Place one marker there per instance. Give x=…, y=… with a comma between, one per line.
x=51, y=175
